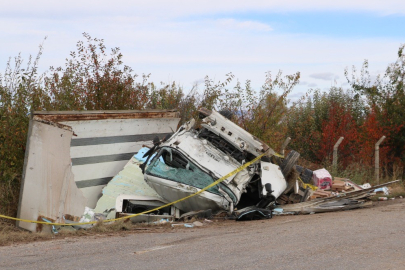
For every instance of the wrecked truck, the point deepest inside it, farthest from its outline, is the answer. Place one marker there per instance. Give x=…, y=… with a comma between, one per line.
x=91, y=160
x=76, y=169
x=192, y=158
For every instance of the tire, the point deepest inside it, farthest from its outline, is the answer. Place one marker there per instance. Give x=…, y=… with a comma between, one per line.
x=299, y=169
x=266, y=159
x=289, y=162
x=276, y=160
x=306, y=176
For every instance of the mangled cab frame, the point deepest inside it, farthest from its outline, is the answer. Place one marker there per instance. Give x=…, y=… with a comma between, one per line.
x=191, y=159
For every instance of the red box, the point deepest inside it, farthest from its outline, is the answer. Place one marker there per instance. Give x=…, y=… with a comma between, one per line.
x=322, y=179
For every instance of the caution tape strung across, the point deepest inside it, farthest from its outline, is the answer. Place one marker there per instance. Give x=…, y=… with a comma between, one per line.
x=305, y=185
x=244, y=166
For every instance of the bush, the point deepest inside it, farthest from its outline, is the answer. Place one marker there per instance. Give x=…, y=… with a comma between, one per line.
x=93, y=79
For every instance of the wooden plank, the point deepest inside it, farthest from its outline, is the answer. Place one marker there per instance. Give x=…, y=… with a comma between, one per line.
x=112, y=112
x=98, y=115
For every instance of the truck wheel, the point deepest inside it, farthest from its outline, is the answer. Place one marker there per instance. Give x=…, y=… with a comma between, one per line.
x=306, y=176
x=276, y=160
x=289, y=162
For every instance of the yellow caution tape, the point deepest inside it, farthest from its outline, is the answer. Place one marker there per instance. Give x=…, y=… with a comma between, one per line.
x=304, y=185
x=244, y=166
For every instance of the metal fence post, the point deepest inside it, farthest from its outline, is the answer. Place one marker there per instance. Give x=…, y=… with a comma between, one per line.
x=335, y=156
x=286, y=142
x=377, y=159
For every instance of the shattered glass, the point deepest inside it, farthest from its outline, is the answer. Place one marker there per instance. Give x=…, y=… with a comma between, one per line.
x=176, y=168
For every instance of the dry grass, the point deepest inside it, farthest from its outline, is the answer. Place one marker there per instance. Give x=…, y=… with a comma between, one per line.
x=397, y=190
x=10, y=234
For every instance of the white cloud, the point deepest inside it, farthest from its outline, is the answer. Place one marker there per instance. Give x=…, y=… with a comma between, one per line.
x=296, y=95
x=244, y=25
x=170, y=40
x=174, y=8
x=326, y=76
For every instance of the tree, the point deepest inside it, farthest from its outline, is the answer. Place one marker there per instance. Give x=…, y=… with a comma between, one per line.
x=95, y=80
x=386, y=97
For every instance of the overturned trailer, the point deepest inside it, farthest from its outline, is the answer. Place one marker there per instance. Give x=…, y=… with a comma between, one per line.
x=71, y=156
x=191, y=159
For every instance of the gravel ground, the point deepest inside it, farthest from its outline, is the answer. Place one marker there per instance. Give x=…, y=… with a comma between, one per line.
x=370, y=238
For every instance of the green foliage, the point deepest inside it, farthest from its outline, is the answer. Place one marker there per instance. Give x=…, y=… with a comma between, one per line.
x=262, y=114
x=20, y=93
x=266, y=116
x=386, y=98
x=316, y=122
x=94, y=78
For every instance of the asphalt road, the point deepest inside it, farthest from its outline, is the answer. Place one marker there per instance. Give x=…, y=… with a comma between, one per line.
x=371, y=238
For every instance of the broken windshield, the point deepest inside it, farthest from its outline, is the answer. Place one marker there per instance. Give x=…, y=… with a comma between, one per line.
x=171, y=165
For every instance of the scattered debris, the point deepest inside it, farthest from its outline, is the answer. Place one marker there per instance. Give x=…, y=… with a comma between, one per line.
x=197, y=224
x=322, y=179
x=196, y=215
x=383, y=190
x=366, y=185
x=187, y=225
x=253, y=213
x=175, y=166
x=341, y=201
x=321, y=194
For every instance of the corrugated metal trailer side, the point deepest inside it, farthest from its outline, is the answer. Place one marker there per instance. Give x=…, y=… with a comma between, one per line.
x=71, y=156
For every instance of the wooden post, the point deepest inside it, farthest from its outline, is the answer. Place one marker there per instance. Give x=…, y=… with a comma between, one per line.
x=335, y=156
x=286, y=142
x=377, y=159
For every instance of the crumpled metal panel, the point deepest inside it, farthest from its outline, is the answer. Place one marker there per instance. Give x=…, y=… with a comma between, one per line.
x=172, y=191
x=129, y=181
x=205, y=155
x=271, y=173
x=240, y=138
x=201, y=152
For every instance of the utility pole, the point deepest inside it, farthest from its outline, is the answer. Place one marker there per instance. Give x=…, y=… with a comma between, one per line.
x=286, y=142
x=377, y=159
x=335, y=156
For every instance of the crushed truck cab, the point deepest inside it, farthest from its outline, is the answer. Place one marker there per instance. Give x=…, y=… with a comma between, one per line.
x=191, y=159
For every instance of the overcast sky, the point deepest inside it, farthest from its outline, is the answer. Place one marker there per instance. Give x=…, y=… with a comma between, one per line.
x=186, y=40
